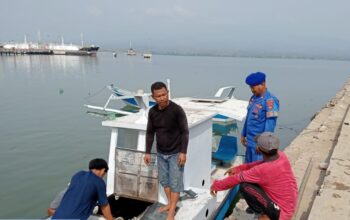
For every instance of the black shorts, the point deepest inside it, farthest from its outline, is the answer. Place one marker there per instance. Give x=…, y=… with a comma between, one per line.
x=259, y=201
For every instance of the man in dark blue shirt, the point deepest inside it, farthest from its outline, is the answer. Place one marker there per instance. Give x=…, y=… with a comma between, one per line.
x=86, y=190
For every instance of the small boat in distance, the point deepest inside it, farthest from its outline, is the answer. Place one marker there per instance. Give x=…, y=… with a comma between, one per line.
x=131, y=52
x=147, y=55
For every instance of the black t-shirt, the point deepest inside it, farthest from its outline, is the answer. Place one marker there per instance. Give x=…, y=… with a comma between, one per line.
x=170, y=127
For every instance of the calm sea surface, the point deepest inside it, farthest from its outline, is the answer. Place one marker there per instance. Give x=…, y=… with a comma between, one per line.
x=46, y=134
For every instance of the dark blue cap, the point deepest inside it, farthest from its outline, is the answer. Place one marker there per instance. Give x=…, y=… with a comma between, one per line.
x=255, y=78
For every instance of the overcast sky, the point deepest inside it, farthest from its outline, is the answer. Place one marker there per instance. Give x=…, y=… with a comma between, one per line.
x=310, y=26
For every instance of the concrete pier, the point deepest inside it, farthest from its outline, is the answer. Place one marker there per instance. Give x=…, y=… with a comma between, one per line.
x=320, y=157
x=333, y=199
x=311, y=150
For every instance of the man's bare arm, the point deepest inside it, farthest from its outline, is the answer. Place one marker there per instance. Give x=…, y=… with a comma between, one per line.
x=106, y=211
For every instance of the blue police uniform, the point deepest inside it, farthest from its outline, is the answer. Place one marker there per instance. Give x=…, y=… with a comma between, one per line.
x=261, y=116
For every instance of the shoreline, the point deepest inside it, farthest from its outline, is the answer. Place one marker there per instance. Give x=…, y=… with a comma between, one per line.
x=231, y=55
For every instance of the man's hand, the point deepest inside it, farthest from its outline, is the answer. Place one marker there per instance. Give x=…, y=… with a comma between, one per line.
x=147, y=159
x=243, y=141
x=230, y=171
x=51, y=211
x=213, y=192
x=182, y=159
x=257, y=150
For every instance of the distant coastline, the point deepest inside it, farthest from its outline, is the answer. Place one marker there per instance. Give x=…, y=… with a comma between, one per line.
x=262, y=55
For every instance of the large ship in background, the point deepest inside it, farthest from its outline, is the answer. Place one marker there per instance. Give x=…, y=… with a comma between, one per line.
x=48, y=48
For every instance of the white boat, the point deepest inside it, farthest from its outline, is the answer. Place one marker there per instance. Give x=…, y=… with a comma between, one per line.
x=223, y=99
x=71, y=49
x=19, y=46
x=49, y=48
x=131, y=52
x=132, y=187
x=147, y=55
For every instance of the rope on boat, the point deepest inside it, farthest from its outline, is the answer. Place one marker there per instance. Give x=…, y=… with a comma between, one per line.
x=88, y=98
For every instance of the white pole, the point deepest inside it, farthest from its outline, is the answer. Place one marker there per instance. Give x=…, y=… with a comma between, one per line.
x=82, y=39
x=39, y=36
x=168, y=82
x=111, y=162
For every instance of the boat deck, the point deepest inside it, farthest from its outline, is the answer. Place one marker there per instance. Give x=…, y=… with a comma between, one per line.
x=232, y=108
x=134, y=121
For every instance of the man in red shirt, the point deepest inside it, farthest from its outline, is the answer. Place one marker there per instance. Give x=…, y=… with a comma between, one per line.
x=268, y=186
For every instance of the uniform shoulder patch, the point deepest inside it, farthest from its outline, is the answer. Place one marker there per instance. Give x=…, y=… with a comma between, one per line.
x=270, y=103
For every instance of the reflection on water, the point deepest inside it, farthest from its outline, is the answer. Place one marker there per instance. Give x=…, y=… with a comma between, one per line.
x=42, y=64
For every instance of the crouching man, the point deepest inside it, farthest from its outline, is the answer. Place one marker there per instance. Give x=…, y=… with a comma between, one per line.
x=86, y=190
x=268, y=186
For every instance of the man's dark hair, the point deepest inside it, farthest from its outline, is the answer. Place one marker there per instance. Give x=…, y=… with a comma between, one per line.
x=98, y=164
x=157, y=86
x=270, y=153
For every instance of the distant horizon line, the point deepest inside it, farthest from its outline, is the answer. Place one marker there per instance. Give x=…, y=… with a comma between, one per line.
x=242, y=55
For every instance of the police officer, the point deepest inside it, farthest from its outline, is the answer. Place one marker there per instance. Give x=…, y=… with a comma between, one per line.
x=261, y=116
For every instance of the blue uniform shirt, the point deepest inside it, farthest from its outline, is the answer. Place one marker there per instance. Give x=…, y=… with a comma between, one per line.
x=83, y=193
x=261, y=116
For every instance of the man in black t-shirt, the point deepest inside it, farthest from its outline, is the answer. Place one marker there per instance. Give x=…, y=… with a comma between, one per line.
x=168, y=122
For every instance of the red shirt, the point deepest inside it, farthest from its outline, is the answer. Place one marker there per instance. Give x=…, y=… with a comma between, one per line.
x=275, y=177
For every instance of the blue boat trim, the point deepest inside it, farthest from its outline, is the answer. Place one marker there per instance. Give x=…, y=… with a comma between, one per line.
x=226, y=205
x=129, y=101
x=219, y=116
